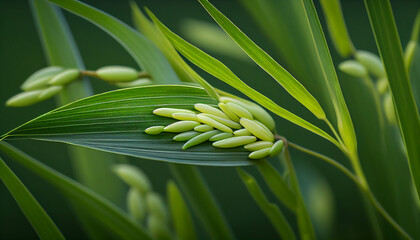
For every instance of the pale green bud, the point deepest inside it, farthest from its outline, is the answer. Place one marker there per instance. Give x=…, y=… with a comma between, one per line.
x=228, y=112
x=185, y=116
x=200, y=139
x=210, y=121
x=24, y=99
x=262, y=153
x=50, y=92
x=156, y=206
x=221, y=136
x=158, y=228
x=181, y=126
x=256, y=110
x=117, y=73
x=204, y=108
x=65, y=77
x=234, y=141
x=203, y=128
x=276, y=148
x=154, y=130
x=382, y=85
x=239, y=110
x=40, y=78
x=136, y=205
x=371, y=62
x=257, y=129
x=135, y=83
x=167, y=112
x=224, y=121
x=389, y=108
x=185, y=136
x=134, y=177
x=353, y=68
x=242, y=132
x=258, y=145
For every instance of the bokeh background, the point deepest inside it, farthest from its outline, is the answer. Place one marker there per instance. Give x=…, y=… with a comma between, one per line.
x=341, y=211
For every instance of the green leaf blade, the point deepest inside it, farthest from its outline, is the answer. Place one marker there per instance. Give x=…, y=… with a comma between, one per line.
x=389, y=45
x=295, y=88
x=39, y=219
x=219, y=70
x=115, y=122
x=141, y=49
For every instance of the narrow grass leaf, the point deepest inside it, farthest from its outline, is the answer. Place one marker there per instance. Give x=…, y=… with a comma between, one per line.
x=145, y=53
x=91, y=203
x=39, y=219
x=389, y=46
x=219, y=70
x=266, y=62
x=270, y=210
x=115, y=122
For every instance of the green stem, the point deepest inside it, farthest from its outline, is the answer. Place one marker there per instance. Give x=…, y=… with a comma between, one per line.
x=202, y=201
x=358, y=178
x=304, y=222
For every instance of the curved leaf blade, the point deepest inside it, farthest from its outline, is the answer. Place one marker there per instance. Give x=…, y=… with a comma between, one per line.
x=89, y=202
x=145, y=53
x=266, y=62
x=220, y=71
x=39, y=219
x=115, y=122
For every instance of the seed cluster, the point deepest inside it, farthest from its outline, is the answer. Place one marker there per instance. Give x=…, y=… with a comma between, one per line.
x=233, y=124
x=49, y=81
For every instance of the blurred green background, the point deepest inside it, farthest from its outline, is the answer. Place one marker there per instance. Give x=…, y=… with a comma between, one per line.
x=329, y=190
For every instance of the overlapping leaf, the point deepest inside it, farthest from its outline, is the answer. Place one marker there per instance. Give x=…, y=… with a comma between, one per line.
x=115, y=122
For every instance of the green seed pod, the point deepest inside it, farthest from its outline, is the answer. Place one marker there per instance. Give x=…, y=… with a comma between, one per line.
x=200, y=139
x=154, y=130
x=135, y=83
x=203, y=128
x=242, y=132
x=185, y=136
x=134, y=177
x=228, y=112
x=204, y=108
x=136, y=204
x=276, y=148
x=65, y=77
x=181, y=126
x=224, y=121
x=156, y=206
x=24, y=99
x=258, y=145
x=40, y=78
x=49, y=92
x=210, y=121
x=353, y=68
x=382, y=85
x=157, y=228
x=117, y=74
x=262, y=153
x=256, y=110
x=221, y=136
x=234, y=141
x=167, y=112
x=371, y=62
x=239, y=110
x=185, y=116
x=257, y=129
x=389, y=108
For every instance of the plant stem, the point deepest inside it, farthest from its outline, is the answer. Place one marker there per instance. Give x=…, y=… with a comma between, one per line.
x=358, y=178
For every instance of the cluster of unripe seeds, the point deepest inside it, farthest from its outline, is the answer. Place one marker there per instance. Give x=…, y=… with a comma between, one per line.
x=233, y=124
x=49, y=81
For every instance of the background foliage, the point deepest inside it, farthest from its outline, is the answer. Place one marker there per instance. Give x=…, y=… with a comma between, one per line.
x=22, y=55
